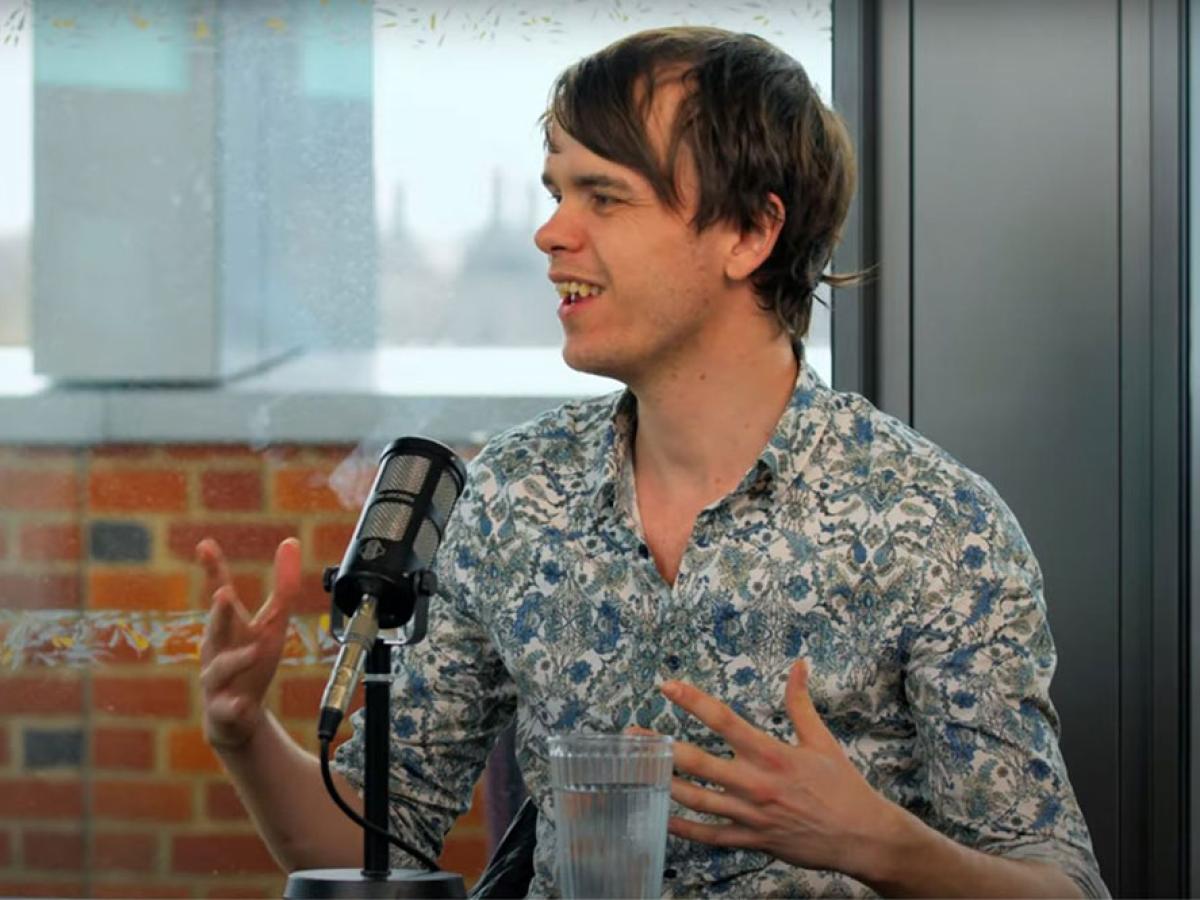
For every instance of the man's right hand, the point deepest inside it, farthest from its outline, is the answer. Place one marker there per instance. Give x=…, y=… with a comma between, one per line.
x=239, y=653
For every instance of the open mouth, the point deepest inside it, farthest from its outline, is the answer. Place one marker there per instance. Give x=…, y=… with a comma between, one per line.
x=573, y=292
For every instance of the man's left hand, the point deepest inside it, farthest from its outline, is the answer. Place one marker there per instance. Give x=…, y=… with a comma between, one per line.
x=804, y=803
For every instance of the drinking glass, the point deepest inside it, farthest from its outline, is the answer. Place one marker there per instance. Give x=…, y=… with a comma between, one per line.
x=611, y=795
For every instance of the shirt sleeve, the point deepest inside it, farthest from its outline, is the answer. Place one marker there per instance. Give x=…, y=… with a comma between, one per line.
x=979, y=662
x=450, y=699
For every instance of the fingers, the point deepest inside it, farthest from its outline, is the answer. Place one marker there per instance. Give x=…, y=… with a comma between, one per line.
x=277, y=610
x=740, y=734
x=224, y=667
x=691, y=760
x=810, y=729
x=216, y=569
x=717, y=835
x=227, y=619
x=716, y=803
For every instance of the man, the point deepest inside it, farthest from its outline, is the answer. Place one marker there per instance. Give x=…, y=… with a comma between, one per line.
x=842, y=626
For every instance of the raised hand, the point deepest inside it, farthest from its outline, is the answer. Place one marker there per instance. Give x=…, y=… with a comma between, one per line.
x=804, y=803
x=240, y=653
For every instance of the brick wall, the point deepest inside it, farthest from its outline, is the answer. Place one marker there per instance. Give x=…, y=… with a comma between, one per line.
x=106, y=786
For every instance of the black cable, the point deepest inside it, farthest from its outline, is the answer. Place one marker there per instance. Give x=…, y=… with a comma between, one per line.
x=363, y=823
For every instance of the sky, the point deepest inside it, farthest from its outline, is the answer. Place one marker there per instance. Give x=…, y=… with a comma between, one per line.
x=457, y=91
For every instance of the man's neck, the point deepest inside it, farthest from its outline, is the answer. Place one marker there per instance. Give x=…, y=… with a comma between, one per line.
x=700, y=430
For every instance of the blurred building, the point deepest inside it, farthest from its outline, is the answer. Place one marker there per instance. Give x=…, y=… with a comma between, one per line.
x=497, y=296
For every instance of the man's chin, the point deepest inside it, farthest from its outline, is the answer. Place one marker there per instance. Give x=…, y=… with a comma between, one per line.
x=590, y=364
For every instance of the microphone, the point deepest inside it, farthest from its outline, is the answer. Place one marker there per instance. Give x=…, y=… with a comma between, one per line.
x=385, y=576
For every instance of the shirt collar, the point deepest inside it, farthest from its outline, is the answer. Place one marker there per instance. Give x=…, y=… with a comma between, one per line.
x=783, y=460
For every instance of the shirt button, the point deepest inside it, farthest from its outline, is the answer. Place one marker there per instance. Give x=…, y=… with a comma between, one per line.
x=643, y=551
x=673, y=663
x=669, y=873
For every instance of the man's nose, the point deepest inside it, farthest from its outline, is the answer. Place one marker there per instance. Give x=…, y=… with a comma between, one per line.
x=559, y=233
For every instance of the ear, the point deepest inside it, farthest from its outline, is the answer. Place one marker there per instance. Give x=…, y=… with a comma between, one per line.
x=752, y=246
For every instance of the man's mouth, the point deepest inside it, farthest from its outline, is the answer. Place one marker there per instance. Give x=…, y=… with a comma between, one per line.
x=572, y=292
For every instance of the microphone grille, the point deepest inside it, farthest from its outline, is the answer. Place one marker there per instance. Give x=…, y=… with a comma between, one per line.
x=387, y=520
x=402, y=480
x=405, y=473
x=445, y=495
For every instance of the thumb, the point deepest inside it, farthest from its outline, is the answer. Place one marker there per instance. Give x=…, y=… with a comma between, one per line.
x=810, y=729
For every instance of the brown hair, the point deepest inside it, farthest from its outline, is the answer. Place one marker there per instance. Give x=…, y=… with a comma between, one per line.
x=753, y=124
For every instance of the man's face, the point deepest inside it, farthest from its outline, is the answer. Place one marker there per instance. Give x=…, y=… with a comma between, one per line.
x=652, y=286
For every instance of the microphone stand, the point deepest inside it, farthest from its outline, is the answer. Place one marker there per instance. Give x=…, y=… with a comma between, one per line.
x=377, y=879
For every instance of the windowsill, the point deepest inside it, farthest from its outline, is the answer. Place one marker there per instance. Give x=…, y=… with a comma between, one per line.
x=453, y=394
x=323, y=397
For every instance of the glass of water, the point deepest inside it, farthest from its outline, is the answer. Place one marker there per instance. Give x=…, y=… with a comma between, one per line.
x=611, y=794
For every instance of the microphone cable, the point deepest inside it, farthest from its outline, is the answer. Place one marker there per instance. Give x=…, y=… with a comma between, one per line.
x=363, y=823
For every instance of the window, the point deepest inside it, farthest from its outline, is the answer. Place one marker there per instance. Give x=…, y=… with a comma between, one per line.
x=245, y=244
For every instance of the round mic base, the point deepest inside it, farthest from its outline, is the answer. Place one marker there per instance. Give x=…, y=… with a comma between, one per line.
x=399, y=883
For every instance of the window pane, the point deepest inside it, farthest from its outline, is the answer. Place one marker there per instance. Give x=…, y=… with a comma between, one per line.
x=260, y=239
x=458, y=168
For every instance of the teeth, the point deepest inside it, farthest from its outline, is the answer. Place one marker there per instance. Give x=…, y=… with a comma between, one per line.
x=572, y=290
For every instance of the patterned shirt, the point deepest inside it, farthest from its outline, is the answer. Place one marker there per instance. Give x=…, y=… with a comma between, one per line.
x=852, y=542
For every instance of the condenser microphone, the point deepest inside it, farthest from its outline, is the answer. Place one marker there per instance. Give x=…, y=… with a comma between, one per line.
x=385, y=575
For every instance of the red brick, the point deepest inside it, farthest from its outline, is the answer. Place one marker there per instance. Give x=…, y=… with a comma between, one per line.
x=142, y=696
x=232, y=490
x=313, y=598
x=5, y=850
x=220, y=854
x=183, y=641
x=139, y=452
x=27, y=489
x=330, y=540
x=210, y=451
x=277, y=454
x=188, y=752
x=121, y=643
x=40, y=798
x=4, y=746
x=335, y=452
x=41, y=889
x=60, y=542
x=239, y=541
x=46, y=591
x=139, y=889
x=249, y=588
x=300, y=697
x=52, y=850
x=221, y=802
x=52, y=696
x=138, y=490
x=124, y=852
x=135, y=589
x=305, y=490
x=47, y=453
x=465, y=854
x=122, y=748
x=143, y=801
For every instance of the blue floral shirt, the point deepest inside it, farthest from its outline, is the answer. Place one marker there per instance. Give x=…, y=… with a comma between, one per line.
x=853, y=542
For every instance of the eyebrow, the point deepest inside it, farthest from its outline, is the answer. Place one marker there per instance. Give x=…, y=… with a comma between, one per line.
x=592, y=180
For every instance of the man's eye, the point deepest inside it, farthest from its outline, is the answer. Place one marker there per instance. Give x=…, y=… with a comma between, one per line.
x=603, y=200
